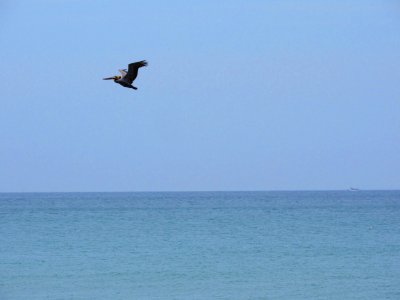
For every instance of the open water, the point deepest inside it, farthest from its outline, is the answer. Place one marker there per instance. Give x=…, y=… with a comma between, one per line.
x=214, y=245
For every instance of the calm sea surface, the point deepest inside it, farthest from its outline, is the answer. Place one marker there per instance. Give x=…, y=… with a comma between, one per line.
x=225, y=245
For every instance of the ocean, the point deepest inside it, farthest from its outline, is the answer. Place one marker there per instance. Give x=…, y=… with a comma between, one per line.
x=200, y=245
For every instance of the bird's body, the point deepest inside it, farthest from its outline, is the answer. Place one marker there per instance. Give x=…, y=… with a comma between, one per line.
x=128, y=76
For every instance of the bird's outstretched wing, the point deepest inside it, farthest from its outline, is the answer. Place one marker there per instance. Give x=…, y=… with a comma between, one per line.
x=133, y=70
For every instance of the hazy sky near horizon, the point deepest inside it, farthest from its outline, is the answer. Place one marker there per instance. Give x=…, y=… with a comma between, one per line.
x=238, y=95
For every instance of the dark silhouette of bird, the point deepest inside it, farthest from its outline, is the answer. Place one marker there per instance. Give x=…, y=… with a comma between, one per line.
x=128, y=76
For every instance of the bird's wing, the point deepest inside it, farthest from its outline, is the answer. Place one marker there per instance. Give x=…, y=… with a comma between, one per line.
x=123, y=73
x=133, y=70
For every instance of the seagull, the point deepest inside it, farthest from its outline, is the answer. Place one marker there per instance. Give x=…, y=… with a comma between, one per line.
x=128, y=76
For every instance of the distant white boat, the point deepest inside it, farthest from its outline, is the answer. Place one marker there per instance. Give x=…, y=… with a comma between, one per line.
x=353, y=189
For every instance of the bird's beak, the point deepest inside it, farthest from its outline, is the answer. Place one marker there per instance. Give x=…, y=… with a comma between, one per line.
x=108, y=78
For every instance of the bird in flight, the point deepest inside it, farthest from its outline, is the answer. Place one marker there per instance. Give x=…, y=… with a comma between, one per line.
x=128, y=76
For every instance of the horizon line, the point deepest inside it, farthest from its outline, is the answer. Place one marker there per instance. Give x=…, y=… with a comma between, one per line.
x=199, y=191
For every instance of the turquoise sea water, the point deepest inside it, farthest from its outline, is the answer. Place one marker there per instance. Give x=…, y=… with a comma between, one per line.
x=223, y=245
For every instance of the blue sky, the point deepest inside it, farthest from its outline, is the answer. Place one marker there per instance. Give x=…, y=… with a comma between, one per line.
x=238, y=95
